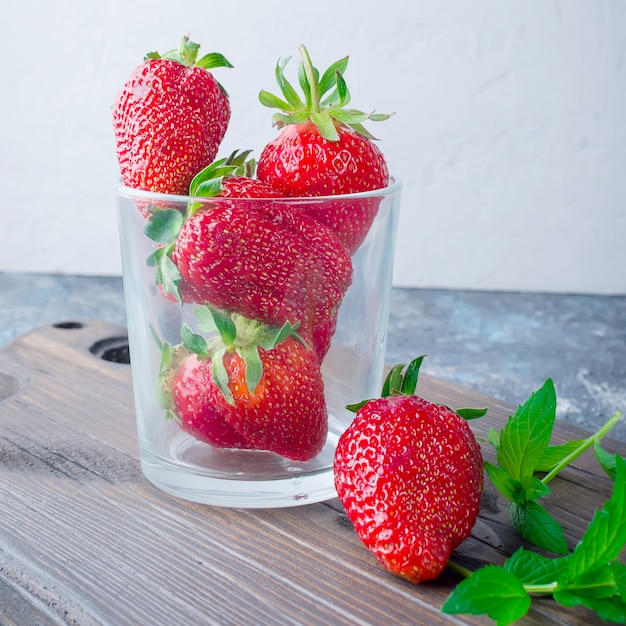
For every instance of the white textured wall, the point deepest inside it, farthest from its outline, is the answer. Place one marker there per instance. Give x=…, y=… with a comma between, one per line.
x=509, y=134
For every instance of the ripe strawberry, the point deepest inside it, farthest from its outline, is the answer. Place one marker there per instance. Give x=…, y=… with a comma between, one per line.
x=264, y=261
x=169, y=119
x=199, y=407
x=323, y=149
x=410, y=475
x=252, y=387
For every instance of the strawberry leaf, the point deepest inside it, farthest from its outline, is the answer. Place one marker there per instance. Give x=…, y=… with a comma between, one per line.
x=206, y=321
x=274, y=335
x=167, y=274
x=225, y=327
x=193, y=342
x=493, y=591
x=342, y=90
x=220, y=375
x=286, y=88
x=273, y=102
x=329, y=77
x=164, y=226
x=393, y=381
x=409, y=381
x=325, y=125
x=468, y=413
x=212, y=60
x=254, y=366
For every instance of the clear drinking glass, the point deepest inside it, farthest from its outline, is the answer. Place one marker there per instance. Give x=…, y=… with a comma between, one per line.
x=352, y=368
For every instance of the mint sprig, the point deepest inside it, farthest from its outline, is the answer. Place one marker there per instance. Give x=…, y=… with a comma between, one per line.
x=591, y=575
x=522, y=451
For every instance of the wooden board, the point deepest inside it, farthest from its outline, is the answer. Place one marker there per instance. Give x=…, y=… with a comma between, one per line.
x=85, y=539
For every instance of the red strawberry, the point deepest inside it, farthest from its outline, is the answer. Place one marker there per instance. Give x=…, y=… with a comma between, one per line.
x=169, y=119
x=410, y=475
x=264, y=262
x=323, y=149
x=253, y=387
x=199, y=407
x=286, y=412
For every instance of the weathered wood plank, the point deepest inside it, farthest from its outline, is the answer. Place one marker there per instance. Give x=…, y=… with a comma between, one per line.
x=85, y=539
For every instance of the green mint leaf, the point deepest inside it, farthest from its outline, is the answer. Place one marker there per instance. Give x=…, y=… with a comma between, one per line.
x=220, y=375
x=612, y=608
x=605, y=536
x=492, y=591
x=536, y=525
x=193, y=342
x=554, y=455
x=606, y=460
x=493, y=436
x=254, y=366
x=534, y=488
x=164, y=226
x=510, y=488
x=526, y=435
x=533, y=569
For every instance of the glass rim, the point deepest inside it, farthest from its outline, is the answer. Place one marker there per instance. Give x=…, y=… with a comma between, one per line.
x=394, y=186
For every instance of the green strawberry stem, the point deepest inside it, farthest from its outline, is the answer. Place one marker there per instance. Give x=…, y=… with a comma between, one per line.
x=403, y=382
x=585, y=445
x=187, y=54
x=325, y=100
x=309, y=72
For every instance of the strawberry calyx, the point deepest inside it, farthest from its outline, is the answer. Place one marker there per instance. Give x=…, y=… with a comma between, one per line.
x=403, y=382
x=325, y=99
x=163, y=225
x=231, y=332
x=207, y=183
x=187, y=54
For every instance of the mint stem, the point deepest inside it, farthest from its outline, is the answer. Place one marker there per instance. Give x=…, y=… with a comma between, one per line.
x=585, y=445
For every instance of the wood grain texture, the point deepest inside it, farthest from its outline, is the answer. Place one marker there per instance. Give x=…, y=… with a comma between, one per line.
x=85, y=539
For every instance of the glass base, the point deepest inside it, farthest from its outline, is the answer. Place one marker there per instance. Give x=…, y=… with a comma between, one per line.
x=243, y=488
x=240, y=478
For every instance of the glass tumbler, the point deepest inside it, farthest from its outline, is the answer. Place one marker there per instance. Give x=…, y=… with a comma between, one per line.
x=227, y=420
